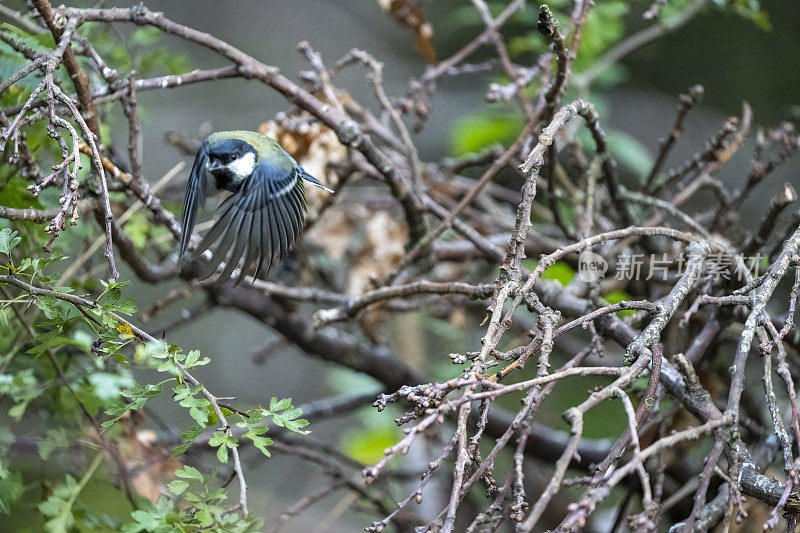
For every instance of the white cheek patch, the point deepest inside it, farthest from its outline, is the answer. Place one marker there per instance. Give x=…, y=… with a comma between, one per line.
x=243, y=167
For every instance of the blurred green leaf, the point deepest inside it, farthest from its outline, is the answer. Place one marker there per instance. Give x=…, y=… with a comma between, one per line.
x=616, y=297
x=11, y=490
x=108, y=386
x=473, y=133
x=629, y=152
x=189, y=437
x=367, y=444
x=604, y=27
x=14, y=193
x=137, y=398
x=560, y=271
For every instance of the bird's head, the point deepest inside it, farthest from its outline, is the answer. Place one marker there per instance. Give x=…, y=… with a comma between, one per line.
x=232, y=159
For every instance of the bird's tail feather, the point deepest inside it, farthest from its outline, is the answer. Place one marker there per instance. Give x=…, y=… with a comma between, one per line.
x=314, y=181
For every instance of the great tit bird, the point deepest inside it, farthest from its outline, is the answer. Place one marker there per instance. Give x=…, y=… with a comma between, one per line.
x=260, y=221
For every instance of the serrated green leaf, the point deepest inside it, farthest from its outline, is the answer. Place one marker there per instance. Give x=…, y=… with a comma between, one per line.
x=198, y=407
x=275, y=405
x=193, y=360
x=177, y=486
x=46, y=341
x=137, y=396
x=49, y=305
x=189, y=438
x=285, y=416
x=204, y=518
x=146, y=520
x=8, y=240
x=255, y=434
x=125, y=307
x=189, y=472
x=222, y=442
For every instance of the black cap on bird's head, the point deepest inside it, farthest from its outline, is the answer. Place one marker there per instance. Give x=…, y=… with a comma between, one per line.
x=230, y=161
x=226, y=151
x=261, y=220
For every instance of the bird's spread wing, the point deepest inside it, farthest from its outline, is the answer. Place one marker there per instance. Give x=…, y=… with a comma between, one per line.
x=259, y=222
x=196, y=194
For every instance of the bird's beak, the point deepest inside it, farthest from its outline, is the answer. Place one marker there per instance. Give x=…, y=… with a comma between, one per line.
x=213, y=165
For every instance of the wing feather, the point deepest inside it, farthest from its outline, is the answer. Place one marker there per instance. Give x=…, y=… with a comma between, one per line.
x=196, y=194
x=265, y=240
x=243, y=232
x=218, y=255
x=260, y=222
x=254, y=241
x=285, y=226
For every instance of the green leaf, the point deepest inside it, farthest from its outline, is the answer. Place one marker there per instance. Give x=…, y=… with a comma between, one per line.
x=604, y=27
x=222, y=442
x=22, y=387
x=473, y=133
x=125, y=307
x=18, y=410
x=630, y=152
x=275, y=405
x=11, y=490
x=198, y=407
x=46, y=341
x=222, y=454
x=137, y=397
x=204, y=518
x=177, y=486
x=258, y=441
x=560, y=272
x=189, y=472
x=284, y=416
x=146, y=522
x=109, y=386
x=8, y=240
x=58, y=507
x=367, y=444
x=189, y=437
x=147, y=36
x=54, y=440
x=193, y=360
x=616, y=297
x=50, y=306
